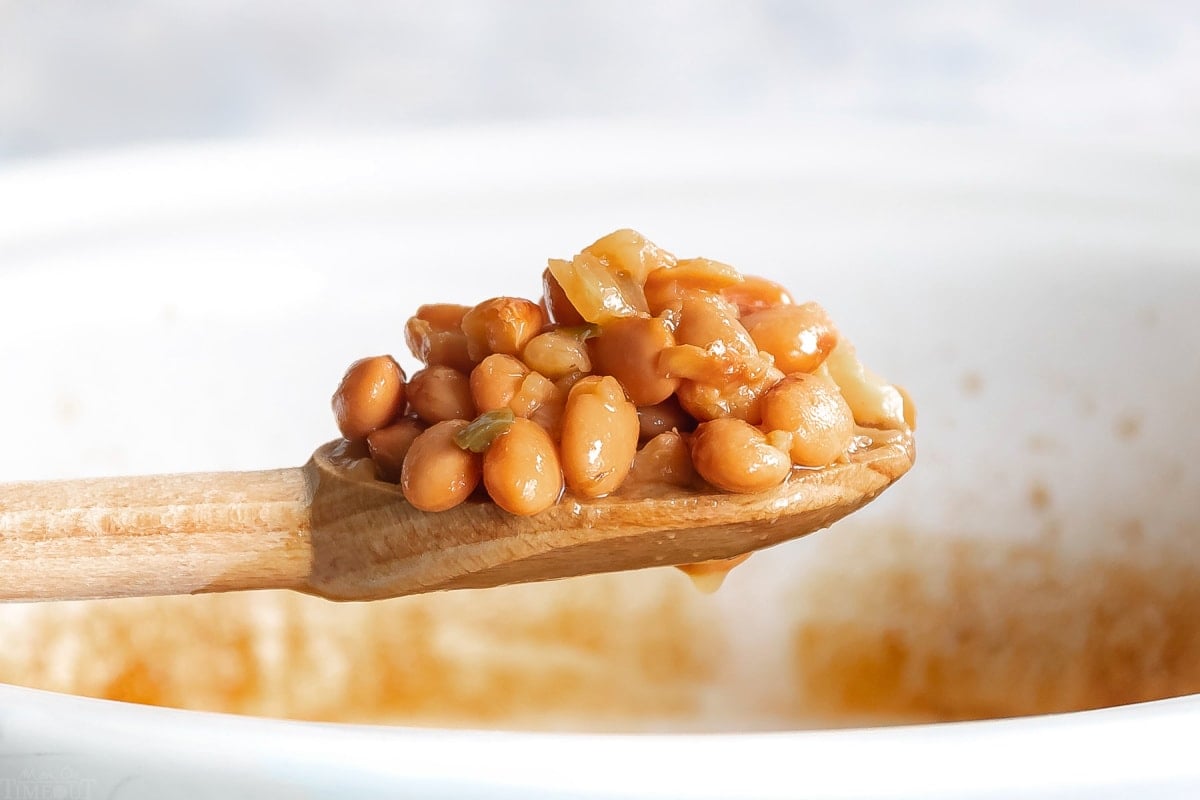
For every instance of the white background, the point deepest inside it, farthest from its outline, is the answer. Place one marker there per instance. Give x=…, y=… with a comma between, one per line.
x=81, y=74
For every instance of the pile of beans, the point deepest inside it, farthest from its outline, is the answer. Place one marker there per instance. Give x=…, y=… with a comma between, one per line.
x=634, y=371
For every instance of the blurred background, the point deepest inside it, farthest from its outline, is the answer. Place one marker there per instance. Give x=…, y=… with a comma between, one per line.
x=168, y=309
x=82, y=75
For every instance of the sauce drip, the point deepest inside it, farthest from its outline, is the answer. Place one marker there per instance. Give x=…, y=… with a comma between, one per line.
x=708, y=576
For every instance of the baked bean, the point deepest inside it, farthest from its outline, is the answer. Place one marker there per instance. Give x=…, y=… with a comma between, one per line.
x=596, y=291
x=814, y=412
x=599, y=436
x=665, y=460
x=521, y=469
x=707, y=319
x=440, y=393
x=558, y=308
x=665, y=288
x=735, y=456
x=689, y=357
x=663, y=417
x=756, y=294
x=443, y=316
x=496, y=381
x=629, y=349
x=437, y=473
x=434, y=335
x=388, y=446
x=873, y=402
x=629, y=252
x=371, y=394
x=501, y=325
x=799, y=337
x=739, y=395
x=558, y=352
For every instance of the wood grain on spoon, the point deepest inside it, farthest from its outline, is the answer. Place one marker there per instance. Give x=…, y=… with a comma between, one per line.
x=322, y=530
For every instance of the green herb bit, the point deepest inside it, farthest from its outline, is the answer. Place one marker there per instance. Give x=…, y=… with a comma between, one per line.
x=483, y=430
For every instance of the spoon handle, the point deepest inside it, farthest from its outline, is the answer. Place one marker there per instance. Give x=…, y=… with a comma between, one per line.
x=154, y=535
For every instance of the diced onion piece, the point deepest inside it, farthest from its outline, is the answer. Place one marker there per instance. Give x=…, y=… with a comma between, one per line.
x=596, y=291
x=665, y=288
x=874, y=402
x=704, y=274
x=630, y=253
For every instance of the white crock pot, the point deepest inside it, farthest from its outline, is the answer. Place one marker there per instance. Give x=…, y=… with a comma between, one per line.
x=192, y=307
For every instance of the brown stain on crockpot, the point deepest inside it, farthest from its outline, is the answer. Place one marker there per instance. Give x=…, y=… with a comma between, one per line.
x=1041, y=443
x=890, y=625
x=600, y=649
x=1009, y=630
x=1127, y=426
x=1039, y=496
x=1132, y=532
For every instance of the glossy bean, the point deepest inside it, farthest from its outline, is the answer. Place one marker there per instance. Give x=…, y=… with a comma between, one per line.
x=521, y=469
x=599, y=436
x=557, y=353
x=799, y=338
x=435, y=336
x=813, y=411
x=629, y=350
x=437, y=473
x=495, y=381
x=389, y=446
x=436, y=394
x=707, y=319
x=735, y=456
x=755, y=294
x=372, y=393
x=663, y=417
x=501, y=325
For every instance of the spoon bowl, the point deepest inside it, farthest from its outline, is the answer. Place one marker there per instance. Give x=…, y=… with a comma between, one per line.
x=367, y=543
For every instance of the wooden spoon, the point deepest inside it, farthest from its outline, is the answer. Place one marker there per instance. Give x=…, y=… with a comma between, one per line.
x=324, y=530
